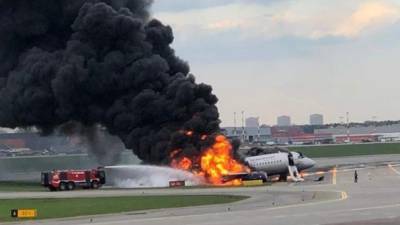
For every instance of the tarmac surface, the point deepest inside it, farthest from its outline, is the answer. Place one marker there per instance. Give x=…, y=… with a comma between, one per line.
x=357, y=160
x=336, y=200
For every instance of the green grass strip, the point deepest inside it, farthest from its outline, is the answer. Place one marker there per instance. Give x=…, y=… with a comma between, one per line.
x=16, y=186
x=70, y=207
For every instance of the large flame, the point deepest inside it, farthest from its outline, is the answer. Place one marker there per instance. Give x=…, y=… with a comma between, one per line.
x=184, y=163
x=215, y=162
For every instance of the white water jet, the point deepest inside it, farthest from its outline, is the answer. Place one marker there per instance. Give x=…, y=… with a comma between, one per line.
x=138, y=176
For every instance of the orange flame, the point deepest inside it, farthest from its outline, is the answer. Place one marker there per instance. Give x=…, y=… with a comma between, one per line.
x=174, y=153
x=215, y=162
x=184, y=163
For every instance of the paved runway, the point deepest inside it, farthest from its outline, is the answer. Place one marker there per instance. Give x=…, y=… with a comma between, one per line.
x=337, y=200
x=355, y=160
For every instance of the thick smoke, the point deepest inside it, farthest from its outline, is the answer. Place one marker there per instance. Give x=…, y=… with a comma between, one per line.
x=97, y=141
x=101, y=63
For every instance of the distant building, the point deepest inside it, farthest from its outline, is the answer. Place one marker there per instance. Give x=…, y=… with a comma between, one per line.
x=250, y=134
x=295, y=135
x=342, y=130
x=252, y=122
x=316, y=119
x=283, y=121
x=339, y=139
x=33, y=141
x=363, y=133
x=283, y=134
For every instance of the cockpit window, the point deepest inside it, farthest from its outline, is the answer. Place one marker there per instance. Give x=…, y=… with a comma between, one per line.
x=301, y=155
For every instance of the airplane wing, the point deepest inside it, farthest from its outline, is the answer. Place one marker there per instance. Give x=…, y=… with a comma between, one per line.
x=233, y=176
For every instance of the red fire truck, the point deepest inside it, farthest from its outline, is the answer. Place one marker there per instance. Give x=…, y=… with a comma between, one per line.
x=65, y=180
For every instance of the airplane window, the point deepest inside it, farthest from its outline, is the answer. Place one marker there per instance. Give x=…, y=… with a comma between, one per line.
x=301, y=155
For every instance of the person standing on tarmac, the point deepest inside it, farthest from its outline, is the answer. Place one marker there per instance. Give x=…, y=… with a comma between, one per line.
x=355, y=177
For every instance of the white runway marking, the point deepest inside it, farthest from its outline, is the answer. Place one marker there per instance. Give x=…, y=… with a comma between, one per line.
x=377, y=207
x=393, y=169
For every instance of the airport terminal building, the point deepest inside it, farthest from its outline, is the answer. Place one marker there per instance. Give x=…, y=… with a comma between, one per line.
x=249, y=134
x=295, y=135
x=362, y=133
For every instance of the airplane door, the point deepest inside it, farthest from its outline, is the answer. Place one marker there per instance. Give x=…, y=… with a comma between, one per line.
x=290, y=158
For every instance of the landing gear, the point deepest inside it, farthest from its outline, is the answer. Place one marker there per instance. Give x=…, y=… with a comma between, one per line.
x=283, y=177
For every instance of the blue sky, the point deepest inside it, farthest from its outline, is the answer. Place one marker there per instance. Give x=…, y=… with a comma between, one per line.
x=271, y=58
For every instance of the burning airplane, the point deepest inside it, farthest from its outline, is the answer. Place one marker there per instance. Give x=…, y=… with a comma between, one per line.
x=107, y=64
x=213, y=164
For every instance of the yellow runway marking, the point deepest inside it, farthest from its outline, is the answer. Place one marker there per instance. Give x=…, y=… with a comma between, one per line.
x=393, y=169
x=334, y=172
x=344, y=195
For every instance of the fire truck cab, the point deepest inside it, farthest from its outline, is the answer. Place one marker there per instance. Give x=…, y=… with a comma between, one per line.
x=65, y=180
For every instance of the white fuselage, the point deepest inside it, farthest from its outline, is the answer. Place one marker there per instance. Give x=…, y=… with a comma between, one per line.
x=278, y=163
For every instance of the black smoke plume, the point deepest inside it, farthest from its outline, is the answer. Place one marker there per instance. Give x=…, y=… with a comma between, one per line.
x=101, y=63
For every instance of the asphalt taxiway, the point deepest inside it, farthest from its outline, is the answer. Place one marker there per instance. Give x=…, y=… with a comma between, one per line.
x=336, y=200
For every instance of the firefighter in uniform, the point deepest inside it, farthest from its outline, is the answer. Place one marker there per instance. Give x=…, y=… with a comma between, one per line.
x=355, y=177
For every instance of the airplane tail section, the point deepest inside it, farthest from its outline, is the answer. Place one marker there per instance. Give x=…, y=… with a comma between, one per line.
x=294, y=174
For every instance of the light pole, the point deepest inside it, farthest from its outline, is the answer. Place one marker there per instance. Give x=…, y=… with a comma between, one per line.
x=243, y=133
x=348, y=127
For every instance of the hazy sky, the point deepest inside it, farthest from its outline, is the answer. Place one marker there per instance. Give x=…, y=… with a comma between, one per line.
x=277, y=57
